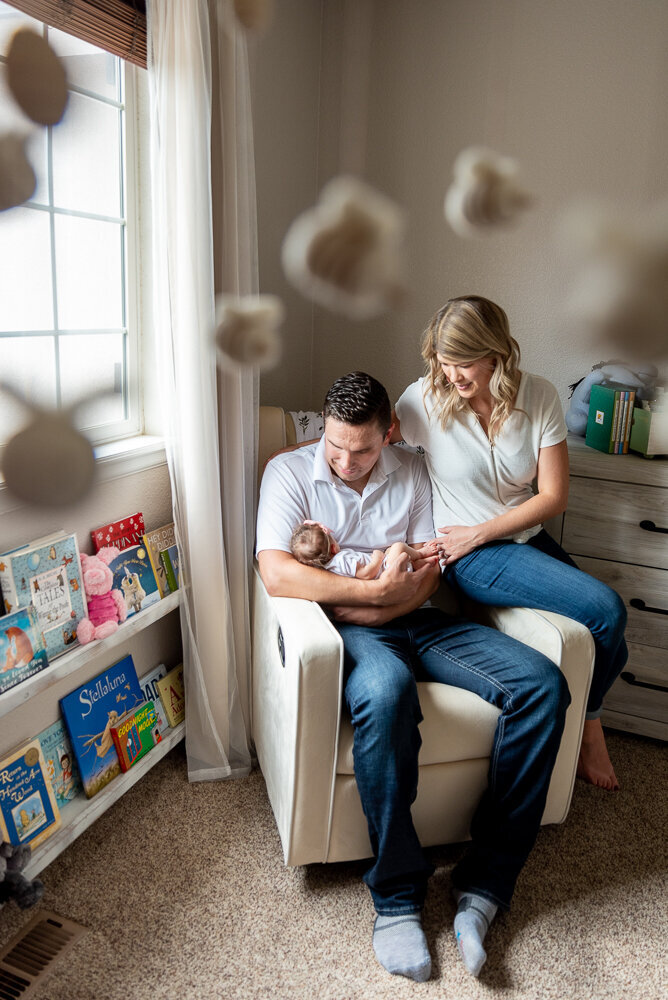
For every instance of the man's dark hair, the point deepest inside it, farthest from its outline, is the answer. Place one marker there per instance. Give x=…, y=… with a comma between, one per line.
x=357, y=398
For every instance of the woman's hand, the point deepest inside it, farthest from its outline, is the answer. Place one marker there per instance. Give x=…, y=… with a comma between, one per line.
x=458, y=540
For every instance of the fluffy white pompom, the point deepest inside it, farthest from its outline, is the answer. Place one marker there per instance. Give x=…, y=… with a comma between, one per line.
x=346, y=252
x=620, y=293
x=246, y=332
x=17, y=177
x=484, y=194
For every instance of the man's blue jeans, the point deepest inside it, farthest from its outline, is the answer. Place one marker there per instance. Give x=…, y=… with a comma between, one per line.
x=541, y=575
x=382, y=667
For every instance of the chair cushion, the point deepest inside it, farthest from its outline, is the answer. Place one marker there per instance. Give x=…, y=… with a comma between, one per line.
x=458, y=725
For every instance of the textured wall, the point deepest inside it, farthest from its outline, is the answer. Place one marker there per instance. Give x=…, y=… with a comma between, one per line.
x=576, y=92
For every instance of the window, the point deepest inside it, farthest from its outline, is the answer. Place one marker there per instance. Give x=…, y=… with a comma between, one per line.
x=68, y=260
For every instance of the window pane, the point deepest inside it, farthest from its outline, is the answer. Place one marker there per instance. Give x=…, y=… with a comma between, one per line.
x=10, y=21
x=90, y=363
x=86, y=66
x=28, y=363
x=86, y=159
x=88, y=268
x=36, y=153
x=25, y=270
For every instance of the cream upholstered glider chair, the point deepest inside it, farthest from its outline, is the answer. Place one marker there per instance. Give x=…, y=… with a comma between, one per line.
x=304, y=739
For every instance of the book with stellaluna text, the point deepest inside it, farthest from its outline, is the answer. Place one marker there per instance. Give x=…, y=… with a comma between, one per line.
x=90, y=711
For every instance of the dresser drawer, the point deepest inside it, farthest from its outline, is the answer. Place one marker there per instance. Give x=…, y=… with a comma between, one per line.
x=603, y=520
x=645, y=594
x=642, y=688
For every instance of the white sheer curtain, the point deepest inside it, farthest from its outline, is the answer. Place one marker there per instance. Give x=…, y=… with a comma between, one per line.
x=200, y=123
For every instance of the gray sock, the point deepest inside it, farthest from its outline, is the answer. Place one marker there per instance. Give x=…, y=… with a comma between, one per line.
x=401, y=947
x=474, y=915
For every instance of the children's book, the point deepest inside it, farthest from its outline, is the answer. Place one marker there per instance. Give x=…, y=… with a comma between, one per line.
x=172, y=695
x=136, y=735
x=22, y=649
x=28, y=809
x=157, y=541
x=90, y=711
x=170, y=560
x=123, y=533
x=604, y=420
x=134, y=577
x=47, y=574
x=61, y=767
x=149, y=689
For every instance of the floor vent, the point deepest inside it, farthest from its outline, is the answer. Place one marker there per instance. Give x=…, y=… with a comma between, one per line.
x=27, y=959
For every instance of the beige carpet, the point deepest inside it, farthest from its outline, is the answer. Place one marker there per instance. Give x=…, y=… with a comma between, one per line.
x=186, y=897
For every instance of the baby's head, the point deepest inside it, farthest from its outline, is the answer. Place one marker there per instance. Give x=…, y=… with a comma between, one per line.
x=312, y=544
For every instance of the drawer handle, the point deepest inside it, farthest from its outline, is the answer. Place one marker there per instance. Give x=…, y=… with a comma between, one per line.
x=637, y=602
x=650, y=526
x=631, y=679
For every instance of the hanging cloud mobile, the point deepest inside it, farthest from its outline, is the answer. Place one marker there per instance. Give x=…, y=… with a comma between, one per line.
x=36, y=79
x=620, y=293
x=49, y=462
x=254, y=15
x=246, y=332
x=346, y=253
x=484, y=194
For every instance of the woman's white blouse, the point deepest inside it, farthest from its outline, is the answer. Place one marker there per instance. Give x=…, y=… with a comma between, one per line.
x=473, y=480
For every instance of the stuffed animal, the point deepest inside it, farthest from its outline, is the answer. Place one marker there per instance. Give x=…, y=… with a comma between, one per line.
x=106, y=607
x=641, y=379
x=13, y=883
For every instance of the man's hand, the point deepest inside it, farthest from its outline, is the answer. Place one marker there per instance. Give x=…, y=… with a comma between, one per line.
x=396, y=586
x=427, y=578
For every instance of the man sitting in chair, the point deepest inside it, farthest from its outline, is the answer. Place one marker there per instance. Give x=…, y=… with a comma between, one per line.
x=371, y=495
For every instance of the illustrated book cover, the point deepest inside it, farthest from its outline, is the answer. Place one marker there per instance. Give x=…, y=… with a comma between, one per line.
x=149, y=689
x=22, y=649
x=90, y=711
x=157, y=541
x=61, y=766
x=134, y=577
x=123, y=533
x=172, y=695
x=28, y=809
x=136, y=735
x=170, y=560
x=47, y=574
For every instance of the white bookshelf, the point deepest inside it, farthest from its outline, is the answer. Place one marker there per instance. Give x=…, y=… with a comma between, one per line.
x=70, y=663
x=30, y=706
x=81, y=812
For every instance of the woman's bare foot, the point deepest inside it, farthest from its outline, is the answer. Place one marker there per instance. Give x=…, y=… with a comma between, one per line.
x=594, y=764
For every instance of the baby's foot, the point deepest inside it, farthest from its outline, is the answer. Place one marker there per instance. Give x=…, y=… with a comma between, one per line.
x=594, y=764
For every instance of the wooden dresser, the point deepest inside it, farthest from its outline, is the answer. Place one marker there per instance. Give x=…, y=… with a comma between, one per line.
x=616, y=528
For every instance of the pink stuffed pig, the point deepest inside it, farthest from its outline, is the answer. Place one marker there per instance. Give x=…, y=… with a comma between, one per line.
x=106, y=607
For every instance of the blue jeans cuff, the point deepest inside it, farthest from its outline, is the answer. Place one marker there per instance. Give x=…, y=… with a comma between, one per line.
x=594, y=715
x=397, y=911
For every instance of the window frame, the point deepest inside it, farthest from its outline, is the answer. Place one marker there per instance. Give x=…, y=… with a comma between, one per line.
x=132, y=423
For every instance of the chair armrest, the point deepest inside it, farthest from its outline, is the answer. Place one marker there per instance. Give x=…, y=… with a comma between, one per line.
x=297, y=689
x=570, y=645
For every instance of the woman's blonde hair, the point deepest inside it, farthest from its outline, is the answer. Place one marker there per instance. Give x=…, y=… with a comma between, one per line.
x=467, y=329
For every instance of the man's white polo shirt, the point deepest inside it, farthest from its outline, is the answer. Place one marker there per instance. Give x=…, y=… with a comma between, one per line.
x=394, y=507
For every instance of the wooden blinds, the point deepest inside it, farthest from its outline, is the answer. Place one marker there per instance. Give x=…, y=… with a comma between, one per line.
x=118, y=26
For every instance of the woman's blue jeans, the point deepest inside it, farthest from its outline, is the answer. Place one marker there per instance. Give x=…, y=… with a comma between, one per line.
x=541, y=575
x=382, y=666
